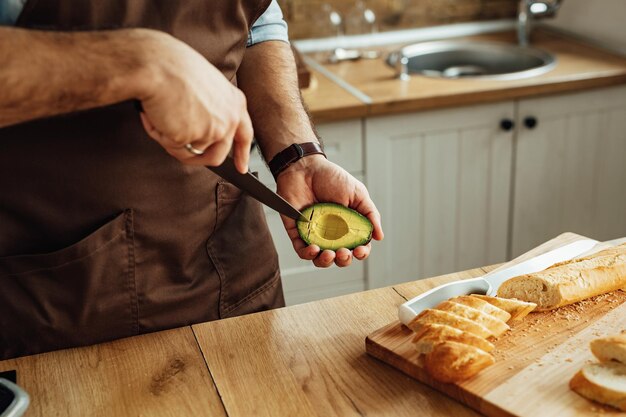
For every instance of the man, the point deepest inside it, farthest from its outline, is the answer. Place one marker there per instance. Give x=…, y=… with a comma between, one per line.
x=102, y=233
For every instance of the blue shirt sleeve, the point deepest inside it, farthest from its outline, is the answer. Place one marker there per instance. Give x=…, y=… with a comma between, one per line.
x=269, y=27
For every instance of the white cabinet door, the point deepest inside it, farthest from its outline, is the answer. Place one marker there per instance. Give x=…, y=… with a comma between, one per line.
x=571, y=168
x=302, y=281
x=441, y=180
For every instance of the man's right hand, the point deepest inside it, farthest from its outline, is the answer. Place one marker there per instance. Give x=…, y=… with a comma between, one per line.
x=186, y=100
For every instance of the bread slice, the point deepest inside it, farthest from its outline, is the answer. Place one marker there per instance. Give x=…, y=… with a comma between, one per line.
x=611, y=348
x=518, y=309
x=572, y=281
x=602, y=382
x=430, y=316
x=495, y=326
x=432, y=333
x=455, y=362
x=483, y=306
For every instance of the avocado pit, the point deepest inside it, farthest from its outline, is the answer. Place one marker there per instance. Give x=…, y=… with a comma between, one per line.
x=331, y=227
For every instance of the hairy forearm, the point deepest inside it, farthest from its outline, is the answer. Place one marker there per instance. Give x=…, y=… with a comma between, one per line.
x=268, y=77
x=49, y=73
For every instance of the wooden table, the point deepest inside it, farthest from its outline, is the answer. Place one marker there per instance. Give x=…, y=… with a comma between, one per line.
x=304, y=360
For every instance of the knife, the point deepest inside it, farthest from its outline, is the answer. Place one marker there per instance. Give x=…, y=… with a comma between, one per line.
x=251, y=184
x=489, y=283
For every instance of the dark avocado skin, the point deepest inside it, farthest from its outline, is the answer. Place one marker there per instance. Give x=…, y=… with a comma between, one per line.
x=359, y=228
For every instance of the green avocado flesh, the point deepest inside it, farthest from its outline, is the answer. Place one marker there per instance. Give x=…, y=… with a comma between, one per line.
x=333, y=226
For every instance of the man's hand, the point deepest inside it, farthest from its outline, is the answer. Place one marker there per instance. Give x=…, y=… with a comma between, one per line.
x=313, y=179
x=189, y=101
x=185, y=98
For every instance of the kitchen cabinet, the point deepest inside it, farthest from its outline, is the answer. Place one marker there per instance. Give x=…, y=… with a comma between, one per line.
x=570, y=170
x=302, y=281
x=441, y=180
x=478, y=185
x=472, y=186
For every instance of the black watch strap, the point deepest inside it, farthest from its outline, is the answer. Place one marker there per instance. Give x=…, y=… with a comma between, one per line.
x=291, y=154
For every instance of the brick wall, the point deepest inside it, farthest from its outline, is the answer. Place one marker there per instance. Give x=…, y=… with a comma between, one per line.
x=310, y=18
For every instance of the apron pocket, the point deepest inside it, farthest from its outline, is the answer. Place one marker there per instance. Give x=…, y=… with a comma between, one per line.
x=80, y=295
x=244, y=256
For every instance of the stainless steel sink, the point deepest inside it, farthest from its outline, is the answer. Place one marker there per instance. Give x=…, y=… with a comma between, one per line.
x=464, y=59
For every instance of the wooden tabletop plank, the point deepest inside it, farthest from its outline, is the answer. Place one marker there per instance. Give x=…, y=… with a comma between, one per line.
x=309, y=360
x=159, y=374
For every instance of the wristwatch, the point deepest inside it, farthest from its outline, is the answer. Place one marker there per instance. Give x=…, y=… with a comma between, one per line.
x=291, y=154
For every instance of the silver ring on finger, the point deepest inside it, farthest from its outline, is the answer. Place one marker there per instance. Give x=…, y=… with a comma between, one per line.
x=193, y=150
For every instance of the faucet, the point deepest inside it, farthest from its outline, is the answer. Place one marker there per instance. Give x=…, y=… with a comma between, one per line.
x=527, y=10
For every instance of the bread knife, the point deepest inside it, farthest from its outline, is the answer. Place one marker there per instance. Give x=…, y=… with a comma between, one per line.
x=488, y=284
x=251, y=184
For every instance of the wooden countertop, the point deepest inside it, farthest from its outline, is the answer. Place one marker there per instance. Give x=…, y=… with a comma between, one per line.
x=326, y=101
x=305, y=360
x=579, y=67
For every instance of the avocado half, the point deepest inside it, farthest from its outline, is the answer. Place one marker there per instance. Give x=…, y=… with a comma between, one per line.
x=333, y=226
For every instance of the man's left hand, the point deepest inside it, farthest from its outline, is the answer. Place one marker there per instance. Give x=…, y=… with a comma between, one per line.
x=314, y=179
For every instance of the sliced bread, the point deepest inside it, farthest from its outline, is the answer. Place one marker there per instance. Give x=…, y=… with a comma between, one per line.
x=518, y=309
x=483, y=306
x=602, y=382
x=433, y=333
x=455, y=362
x=495, y=326
x=611, y=348
x=430, y=316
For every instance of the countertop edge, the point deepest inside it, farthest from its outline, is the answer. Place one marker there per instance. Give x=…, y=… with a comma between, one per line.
x=372, y=108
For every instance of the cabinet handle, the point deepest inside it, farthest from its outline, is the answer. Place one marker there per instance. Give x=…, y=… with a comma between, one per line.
x=507, y=124
x=530, y=122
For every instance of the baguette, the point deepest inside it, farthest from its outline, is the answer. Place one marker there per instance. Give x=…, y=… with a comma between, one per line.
x=430, y=316
x=602, y=382
x=433, y=333
x=569, y=282
x=455, y=362
x=611, y=348
x=483, y=306
x=495, y=326
x=516, y=308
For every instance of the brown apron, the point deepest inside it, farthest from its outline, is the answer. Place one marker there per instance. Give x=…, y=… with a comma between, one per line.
x=104, y=235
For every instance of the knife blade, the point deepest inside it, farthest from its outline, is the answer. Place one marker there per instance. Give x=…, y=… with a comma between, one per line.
x=489, y=283
x=251, y=184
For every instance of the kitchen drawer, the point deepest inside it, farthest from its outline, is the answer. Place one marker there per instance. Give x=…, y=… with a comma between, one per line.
x=343, y=144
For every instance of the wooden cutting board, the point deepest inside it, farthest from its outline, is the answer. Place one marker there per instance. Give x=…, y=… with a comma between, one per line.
x=534, y=361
